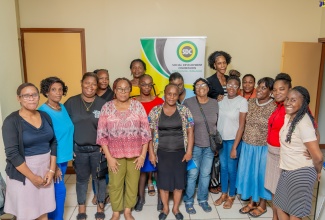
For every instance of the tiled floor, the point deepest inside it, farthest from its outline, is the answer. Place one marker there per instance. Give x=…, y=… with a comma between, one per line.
x=149, y=211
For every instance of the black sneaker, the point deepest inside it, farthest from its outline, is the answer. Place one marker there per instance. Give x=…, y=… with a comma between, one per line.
x=160, y=206
x=139, y=206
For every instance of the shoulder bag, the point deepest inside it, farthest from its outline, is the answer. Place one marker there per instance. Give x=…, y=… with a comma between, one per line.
x=102, y=169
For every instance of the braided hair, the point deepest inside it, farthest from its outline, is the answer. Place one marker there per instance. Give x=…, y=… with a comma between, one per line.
x=301, y=112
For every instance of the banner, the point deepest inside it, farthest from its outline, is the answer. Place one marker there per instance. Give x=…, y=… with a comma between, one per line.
x=166, y=55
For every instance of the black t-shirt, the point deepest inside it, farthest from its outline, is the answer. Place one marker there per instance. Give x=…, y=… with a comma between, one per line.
x=85, y=122
x=108, y=95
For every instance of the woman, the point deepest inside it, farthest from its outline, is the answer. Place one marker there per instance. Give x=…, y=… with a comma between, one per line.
x=84, y=110
x=294, y=193
x=123, y=133
x=105, y=92
x=218, y=61
x=202, y=153
x=231, y=124
x=281, y=87
x=148, y=101
x=252, y=162
x=172, y=130
x=184, y=93
x=30, y=148
x=53, y=89
x=138, y=68
x=248, y=91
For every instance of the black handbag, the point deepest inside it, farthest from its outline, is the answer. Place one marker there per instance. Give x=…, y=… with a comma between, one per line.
x=102, y=169
x=215, y=139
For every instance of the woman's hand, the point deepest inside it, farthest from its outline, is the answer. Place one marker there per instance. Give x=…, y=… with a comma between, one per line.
x=139, y=162
x=112, y=164
x=37, y=181
x=48, y=178
x=153, y=159
x=220, y=98
x=233, y=153
x=319, y=175
x=58, y=175
x=187, y=157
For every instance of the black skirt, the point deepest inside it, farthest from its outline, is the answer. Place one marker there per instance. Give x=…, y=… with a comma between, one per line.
x=171, y=170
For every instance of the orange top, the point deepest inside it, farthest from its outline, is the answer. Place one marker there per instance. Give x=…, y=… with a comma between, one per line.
x=248, y=95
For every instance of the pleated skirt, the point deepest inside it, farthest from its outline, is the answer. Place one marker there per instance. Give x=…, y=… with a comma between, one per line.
x=251, y=173
x=171, y=170
x=273, y=171
x=27, y=201
x=294, y=192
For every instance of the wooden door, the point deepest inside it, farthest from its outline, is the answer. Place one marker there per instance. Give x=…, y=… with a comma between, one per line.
x=301, y=60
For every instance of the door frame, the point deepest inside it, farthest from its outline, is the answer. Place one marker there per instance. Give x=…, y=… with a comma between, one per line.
x=320, y=82
x=81, y=31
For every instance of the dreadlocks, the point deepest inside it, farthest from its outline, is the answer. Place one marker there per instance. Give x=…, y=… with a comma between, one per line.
x=302, y=111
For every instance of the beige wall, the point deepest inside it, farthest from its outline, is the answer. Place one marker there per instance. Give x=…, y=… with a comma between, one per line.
x=322, y=28
x=10, y=72
x=252, y=31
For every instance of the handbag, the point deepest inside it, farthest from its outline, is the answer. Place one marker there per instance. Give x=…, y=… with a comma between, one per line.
x=215, y=172
x=215, y=139
x=2, y=194
x=102, y=169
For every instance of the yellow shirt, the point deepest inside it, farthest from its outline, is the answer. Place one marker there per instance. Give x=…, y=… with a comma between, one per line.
x=292, y=154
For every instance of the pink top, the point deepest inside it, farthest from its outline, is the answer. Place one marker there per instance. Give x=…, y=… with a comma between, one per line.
x=124, y=132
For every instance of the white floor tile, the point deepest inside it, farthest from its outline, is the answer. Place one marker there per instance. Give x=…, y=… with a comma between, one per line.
x=232, y=213
x=200, y=214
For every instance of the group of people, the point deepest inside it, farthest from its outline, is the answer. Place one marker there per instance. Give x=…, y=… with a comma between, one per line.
x=270, y=144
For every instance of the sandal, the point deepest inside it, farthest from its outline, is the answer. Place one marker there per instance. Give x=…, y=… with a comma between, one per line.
x=215, y=190
x=246, y=209
x=94, y=200
x=151, y=190
x=257, y=212
x=190, y=209
x=81, y=216
x=100, y=216
x=230, y=201
x=222, y=199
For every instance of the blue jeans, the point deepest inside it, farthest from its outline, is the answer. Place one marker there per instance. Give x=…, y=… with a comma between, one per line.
x=203, y=157
x=228, y=167
x=60, y=194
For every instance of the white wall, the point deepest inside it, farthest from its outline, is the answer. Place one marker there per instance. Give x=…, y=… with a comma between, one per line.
x=10, y=70
x=252, y=31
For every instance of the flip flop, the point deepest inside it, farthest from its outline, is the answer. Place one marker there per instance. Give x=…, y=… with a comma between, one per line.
x=260, y=211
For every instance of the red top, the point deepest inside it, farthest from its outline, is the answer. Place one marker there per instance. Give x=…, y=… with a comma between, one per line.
x=275, y=123
x=149, y=105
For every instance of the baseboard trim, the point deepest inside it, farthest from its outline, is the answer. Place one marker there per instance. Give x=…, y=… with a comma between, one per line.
x=322, y=146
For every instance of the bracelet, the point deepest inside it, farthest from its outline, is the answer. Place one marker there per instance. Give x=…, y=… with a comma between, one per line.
x=51, y=171
x=142, y=157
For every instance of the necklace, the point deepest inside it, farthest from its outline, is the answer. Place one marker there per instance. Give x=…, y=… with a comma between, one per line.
x=260, y=105
x=88, y=107
x=52, y=107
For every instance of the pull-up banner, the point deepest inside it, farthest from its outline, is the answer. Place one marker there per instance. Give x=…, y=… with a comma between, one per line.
x=166, y=55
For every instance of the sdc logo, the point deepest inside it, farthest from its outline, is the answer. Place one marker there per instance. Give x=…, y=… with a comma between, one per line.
x=187, y=51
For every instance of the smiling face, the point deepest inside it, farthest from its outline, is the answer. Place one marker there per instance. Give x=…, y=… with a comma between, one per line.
x=293, y=103
x=55, y=92
x=262, y=92
x=232, y=88
x=103, y=80
x=280, y=91
x=201, y=89
x=29, y=98
x=220, y=64
x=137, y=69
x=122, y=91
x=171, y=95
x=89, y=87
x=145, y=85
x=248, y=84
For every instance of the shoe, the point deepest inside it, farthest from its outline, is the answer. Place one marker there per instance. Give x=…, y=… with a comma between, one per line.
x=162, y=216
x=205, y=206
x=246, y=209
x=215, y=190
x=179, y=216
x=100, y=216
x=139, y=206
x=151, y=190
x=257, y=212
x=190, y=209
x=229, y=202
x=160, y=206
x=81, y=216
x=221, y=200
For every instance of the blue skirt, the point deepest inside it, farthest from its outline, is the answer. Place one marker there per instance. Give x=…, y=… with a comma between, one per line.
x=251, y=173
x=147, y=166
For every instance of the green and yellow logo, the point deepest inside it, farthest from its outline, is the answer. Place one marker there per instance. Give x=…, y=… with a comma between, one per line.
x=187, y=51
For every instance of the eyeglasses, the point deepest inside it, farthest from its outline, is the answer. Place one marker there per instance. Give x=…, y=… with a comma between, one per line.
x=146, y=85
x=28, y=96
x=123, y=90
x=203, y=85
x=232, y=86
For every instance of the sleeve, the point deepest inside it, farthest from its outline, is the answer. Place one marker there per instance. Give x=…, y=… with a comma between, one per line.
x=144, y=124
x=102, y=132
x=243, y=106
x=189, y=117
x=307, y=130
x=152, y=118
x=10, y=134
